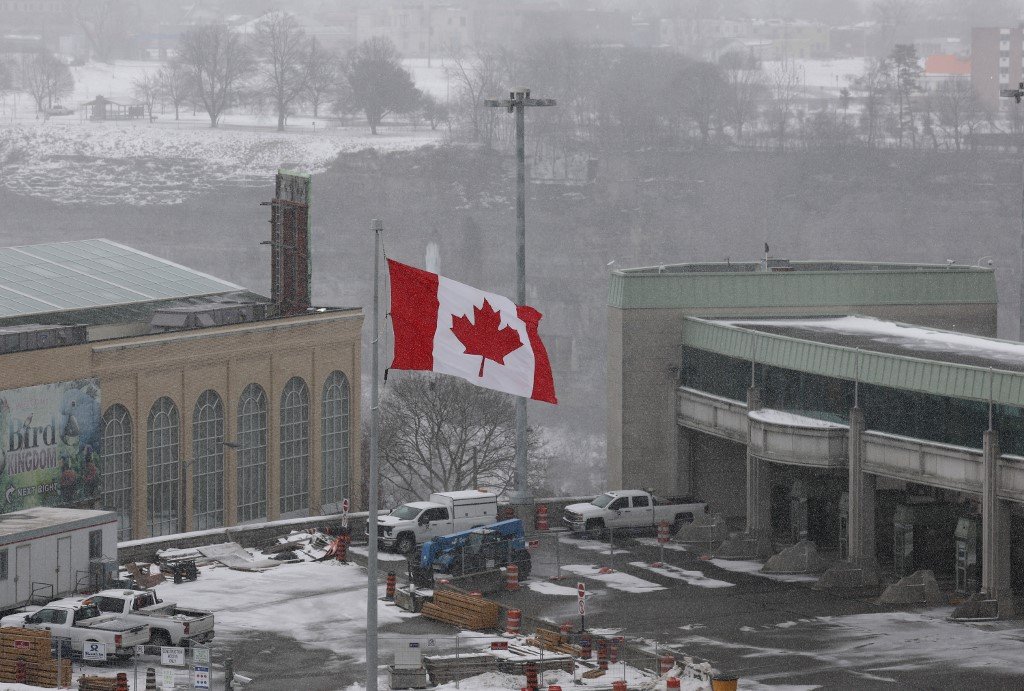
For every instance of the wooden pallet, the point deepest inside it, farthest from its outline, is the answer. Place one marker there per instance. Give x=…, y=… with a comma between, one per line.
x=555, y=642
x=443, y=670
x=96, y=683
x=458, y=609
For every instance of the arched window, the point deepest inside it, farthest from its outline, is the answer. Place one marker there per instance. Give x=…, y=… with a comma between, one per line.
x=294, y=446
x=116, y=467
x=162, y=474
x=252, y=454
x=334, y=440
x=208, y=461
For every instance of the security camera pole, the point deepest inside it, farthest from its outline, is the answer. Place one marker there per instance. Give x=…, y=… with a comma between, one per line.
x=1017, y=94
x=517, y=102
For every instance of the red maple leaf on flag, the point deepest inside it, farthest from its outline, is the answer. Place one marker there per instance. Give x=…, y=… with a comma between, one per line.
x=483, y=337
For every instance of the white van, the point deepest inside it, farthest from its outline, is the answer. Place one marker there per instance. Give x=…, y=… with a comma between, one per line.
x=443, y=513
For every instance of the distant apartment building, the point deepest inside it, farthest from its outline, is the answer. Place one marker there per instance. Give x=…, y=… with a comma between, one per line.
x=790, y=40
x=997, y=56
x=418, y=29
x=702, y=38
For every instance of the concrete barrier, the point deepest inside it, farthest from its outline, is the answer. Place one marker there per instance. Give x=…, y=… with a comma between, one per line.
x=259, y=534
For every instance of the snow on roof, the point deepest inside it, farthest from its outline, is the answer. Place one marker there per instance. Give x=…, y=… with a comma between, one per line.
x=46, y=520
x=885, y=336
x=780, y=417
x=83, y=274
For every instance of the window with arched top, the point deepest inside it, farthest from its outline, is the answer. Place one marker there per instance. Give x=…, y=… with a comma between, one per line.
x=295, y=446
x=116, y=467
x=335, y=435
x=162, y=468
x=208, y=461
x=252, y=454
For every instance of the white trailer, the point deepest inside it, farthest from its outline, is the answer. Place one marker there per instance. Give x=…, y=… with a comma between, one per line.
x=47, y=552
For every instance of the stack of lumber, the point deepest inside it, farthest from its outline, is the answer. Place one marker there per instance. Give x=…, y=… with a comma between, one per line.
x=448, y=668
x=554, y=641
x=32, y=650
x=97, y=683
x=468, y=611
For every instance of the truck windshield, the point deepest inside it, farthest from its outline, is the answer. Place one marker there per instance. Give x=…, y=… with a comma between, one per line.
x=602, y=500
x=87, y=612
x=406, y=512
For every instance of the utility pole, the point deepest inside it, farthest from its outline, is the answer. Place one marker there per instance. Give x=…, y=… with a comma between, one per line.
x=517, y=102
x=1017, y=94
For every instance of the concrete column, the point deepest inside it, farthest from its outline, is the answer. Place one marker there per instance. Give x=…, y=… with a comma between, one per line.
x=995, y=515
x=684, y=461
x=861, y=504
x=758, y=486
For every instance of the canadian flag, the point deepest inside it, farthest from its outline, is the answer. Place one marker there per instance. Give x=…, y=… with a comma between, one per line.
x=449, y=327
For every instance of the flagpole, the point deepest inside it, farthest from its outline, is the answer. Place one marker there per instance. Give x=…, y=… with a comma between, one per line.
x=371, y=564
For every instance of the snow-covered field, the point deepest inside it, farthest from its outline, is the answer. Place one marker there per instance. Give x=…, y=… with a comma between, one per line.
x=70, y=159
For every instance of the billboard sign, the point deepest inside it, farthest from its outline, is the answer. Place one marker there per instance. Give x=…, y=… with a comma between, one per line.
x=50, y=445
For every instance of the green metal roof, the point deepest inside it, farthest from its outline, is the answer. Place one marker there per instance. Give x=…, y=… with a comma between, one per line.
x=842, y=362
x=85, y=274
x=807, y=284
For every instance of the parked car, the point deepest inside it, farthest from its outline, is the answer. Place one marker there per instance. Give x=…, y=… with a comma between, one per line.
x=631, y=509
x=59, y=110
x=169, y=624
x=445, y=513
x=81, y=621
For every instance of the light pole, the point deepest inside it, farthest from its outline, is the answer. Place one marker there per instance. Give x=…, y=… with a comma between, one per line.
x=517, y=102
x=1016, y=95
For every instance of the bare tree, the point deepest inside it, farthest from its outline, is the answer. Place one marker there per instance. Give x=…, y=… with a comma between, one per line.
x=281, y=49
x=906, y=74
x=433, y=111
x=959, y=110
x=475, y=77
x=46, y=79
x=744, y=87
x=700, y=90
x=380, y=85
x=218, y=62
x=175, y=84
x=322, y=69
x=783, y=81
x=874, y=85
x=440, y=433
x=146, y=88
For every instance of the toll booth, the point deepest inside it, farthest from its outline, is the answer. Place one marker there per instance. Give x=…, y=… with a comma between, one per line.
x=924, y=537
x=968, y=557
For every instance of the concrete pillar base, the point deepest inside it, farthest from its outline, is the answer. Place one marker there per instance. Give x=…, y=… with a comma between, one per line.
x=755, y=545
x=850, y=573
x=802, y=557
x=919, y=588
x=708, y=530
x=982, y=606
x=527, y=513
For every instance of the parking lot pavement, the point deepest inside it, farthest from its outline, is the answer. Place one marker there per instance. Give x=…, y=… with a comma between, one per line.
x=774, y=631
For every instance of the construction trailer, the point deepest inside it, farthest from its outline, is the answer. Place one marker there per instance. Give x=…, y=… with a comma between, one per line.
x=48, y=552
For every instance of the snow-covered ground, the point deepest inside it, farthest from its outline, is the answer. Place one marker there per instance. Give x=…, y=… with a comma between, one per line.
x=71, y=159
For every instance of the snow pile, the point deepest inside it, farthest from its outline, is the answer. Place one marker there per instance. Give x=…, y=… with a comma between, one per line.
x=615, y=579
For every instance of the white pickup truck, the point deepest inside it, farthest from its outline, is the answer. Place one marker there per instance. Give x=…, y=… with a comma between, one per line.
x=170, y=624
x=631, y=509
x=444, y=513
x=82, y=622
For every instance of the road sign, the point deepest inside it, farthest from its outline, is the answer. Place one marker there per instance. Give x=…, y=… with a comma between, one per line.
x=533, y=544
x=172, y=657
x=140, y=650
x=167, y=678
x=344, y=505
x=663, y=532
x=201, y=656
x=94, y=651
x=581, y=597
x=201, y=677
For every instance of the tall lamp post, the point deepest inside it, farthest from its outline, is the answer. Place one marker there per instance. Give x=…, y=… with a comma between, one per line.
x=517, y=102
x=1017, y=94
